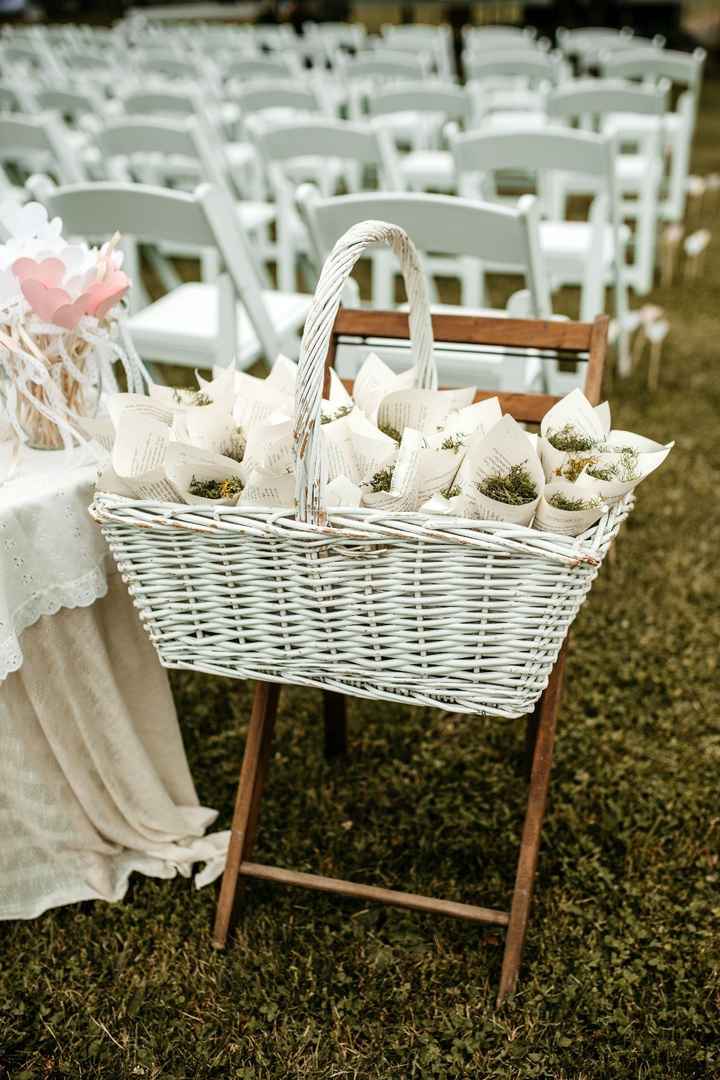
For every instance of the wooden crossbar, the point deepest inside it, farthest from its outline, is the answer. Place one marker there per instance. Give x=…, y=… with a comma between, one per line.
x=428, y=904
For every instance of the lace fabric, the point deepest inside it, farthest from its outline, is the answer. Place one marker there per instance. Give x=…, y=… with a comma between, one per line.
x=52, y=554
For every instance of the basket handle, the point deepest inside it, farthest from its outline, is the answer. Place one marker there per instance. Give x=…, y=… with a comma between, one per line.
x=310, y=484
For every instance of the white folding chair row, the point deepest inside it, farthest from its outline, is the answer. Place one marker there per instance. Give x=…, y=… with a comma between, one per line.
x=589, y=253
x=587, y=102
x=465, y=230
x=198, y=324
x=684, y=70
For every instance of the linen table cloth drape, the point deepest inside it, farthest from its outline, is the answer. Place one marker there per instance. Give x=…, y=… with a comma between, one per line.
x=94, y=782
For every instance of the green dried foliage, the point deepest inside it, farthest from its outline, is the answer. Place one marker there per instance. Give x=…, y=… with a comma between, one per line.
x=568, y=438
x=453, y=442
x=568, y=502
x=344, y=410
x=382, y=480
x=451, y=492
x=624, y=469
x=392, y=432
x=602, y=472
x=574, y=467
x=515, y=487
x=216, y=489
x=185, y=396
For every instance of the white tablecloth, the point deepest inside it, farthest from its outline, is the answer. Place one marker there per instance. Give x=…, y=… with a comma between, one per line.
x=94, y=782
x=51, y=554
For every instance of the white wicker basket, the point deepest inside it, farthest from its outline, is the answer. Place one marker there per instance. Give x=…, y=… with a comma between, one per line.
x=462, y=614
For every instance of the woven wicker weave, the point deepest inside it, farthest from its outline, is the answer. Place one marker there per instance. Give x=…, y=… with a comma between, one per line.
x=464, y=614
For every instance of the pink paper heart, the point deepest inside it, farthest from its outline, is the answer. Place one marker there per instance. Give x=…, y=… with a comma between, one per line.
x=103, y=296
x=49, y=272
x=69, y=315
x=44, y=302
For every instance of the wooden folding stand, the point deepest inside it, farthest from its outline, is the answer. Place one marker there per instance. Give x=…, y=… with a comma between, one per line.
x=565, y=340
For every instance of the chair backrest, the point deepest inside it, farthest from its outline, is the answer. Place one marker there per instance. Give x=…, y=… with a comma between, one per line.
x=451, y=102
x=481, y=38
x=539, y=151
x=594, y=98
x=384, y=65
x=440, y=223
x=68, y=103
x=141, y=137
x=254, y=68
x=204, y=219
x=533, y=66
x=168, y=67
x=683, y=68
x=339, y=139
x=262, y=97
x=27, y=139
x=82, y=59
x=159, y=103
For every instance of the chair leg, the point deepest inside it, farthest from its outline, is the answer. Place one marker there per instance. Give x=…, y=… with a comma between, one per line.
x=247, y=802
x=335, y=715
x=530, y=843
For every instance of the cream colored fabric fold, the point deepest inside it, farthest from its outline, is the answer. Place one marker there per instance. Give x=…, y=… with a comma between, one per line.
x=94, y=782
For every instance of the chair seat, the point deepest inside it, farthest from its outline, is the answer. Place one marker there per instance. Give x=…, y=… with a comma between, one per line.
x=572, y=239
x=434, y=169
x=182, y=327
x=617, y=123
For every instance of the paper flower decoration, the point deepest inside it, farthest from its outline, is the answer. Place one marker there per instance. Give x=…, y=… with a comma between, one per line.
x=57, y=304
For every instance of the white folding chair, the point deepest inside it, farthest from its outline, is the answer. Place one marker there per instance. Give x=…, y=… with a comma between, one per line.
x=588, y=253
x=197, y=324
x=684, y=70
x=588, y=102
x=467, y=232
x=507, y=87
x=363, y=74
x=36, y=144
x=274, y=101
x=325, y=152
x=156, y=151
x=434, y=41
x=426, y=108
x=338, y=39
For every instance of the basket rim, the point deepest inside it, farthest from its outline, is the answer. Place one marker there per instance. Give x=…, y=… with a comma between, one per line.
x=363, y=525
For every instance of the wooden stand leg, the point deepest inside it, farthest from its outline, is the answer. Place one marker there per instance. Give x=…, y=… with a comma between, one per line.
x=530, y=843
x=531, y=733
x=247, y=802
x=335, y=713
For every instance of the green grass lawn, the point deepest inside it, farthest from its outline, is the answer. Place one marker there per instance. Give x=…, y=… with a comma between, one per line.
x=620, y=978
